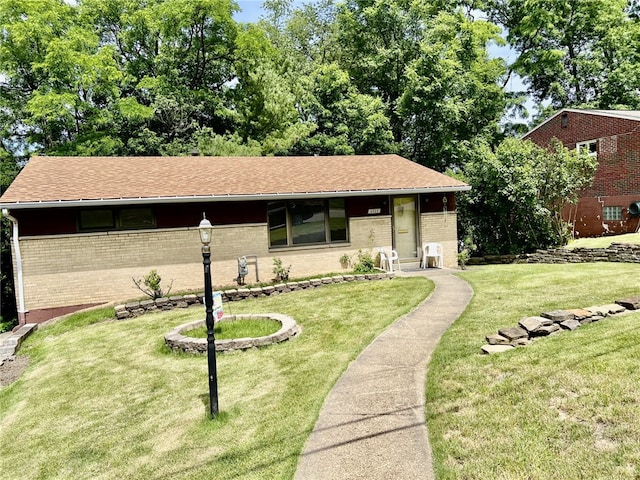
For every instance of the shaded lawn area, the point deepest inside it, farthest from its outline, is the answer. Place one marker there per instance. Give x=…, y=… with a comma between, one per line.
x=106, y=399
x=564, y=407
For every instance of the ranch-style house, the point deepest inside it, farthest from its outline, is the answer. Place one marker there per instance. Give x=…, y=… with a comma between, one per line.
x=84, y=226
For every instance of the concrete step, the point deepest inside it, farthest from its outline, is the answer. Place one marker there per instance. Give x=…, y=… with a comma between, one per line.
x=7, y=351
x=12, y=342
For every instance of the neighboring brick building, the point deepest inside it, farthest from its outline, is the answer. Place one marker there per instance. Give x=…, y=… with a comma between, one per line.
x=86, y=225
x=614, y=136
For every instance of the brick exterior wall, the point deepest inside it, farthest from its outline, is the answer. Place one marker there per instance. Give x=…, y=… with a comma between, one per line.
x=581, y=127
x=588, y=218
x=617, y=178
x=441, y=228
x=618, y=170
x=81, y=269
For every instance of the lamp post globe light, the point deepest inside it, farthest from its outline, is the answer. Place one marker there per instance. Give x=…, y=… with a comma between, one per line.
x=205, y=230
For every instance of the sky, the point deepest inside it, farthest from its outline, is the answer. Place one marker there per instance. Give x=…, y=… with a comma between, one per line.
x=250, y=10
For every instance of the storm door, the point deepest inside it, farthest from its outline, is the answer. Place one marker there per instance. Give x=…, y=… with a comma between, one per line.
x=405, y=227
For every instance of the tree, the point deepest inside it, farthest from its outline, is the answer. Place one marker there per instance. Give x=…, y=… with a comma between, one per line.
x=518, y=193
x=62, y=86
x=264, y=96
x=452, y=92
x=377, y=39
x=346, y=122
x=8, y=312
x=573, y=53
x=428, y=63
x=312, y=32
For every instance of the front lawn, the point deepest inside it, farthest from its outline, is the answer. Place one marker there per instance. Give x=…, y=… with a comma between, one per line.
x=604, y=242
x=106, y=399
x=564, y=407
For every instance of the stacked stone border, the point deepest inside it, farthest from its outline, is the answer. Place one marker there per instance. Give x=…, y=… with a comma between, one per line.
x=135, y=309
x=552, y=323
x=175, y=339
x=616, y=252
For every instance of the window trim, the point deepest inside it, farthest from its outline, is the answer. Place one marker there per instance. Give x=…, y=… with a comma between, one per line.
x=586, y=145
x=117, y=220
x=327, y=224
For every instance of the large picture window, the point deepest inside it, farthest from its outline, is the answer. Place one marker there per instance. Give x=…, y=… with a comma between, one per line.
x=304, y=222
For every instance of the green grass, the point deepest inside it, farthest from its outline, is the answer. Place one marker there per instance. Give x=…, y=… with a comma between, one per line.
x=239, y=328
x=107, y=399
x=564, y=407
x=604, y=242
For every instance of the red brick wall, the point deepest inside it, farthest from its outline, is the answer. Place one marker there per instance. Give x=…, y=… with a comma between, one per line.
x=588, y=219
x=582, y=127
x=618, y=170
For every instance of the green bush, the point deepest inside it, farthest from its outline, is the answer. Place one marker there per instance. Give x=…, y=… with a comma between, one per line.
x=151, y=282
x=365, y=263
x=280, y=271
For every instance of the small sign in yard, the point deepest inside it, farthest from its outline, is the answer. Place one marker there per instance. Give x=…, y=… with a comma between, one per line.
x=218, y=311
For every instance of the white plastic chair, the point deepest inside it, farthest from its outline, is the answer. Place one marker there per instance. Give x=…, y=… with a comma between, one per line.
x=432, y=250
x=384, y=259
x=394, y=258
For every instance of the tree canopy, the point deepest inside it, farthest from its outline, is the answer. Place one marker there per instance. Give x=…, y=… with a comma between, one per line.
x=576, y=53
x=141, y=77
x=145, y=77
x=519, y=190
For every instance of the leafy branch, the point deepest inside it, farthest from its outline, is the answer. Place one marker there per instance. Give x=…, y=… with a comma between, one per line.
x=151, y=282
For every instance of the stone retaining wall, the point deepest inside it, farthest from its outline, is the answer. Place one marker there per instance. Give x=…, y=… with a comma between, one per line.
x=554, y=322
x=135, y=309
x=175, y=339
x=617, y=252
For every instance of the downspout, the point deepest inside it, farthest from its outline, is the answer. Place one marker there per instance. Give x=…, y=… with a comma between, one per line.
x=22, y=313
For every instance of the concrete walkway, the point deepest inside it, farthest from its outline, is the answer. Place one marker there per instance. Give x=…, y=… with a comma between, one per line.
x=372, y=425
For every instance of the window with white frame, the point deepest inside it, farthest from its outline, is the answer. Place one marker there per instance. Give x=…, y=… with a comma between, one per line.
x=612, y=213
x=590, y=147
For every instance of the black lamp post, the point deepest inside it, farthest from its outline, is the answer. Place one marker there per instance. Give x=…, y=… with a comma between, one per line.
x=205, y=229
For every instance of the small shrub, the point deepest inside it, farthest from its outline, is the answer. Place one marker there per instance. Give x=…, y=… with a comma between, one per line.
x=6, y=325
x=365, y=263
x=151, y=282
x=345, y=260
x=465, y=248
x=280, y=271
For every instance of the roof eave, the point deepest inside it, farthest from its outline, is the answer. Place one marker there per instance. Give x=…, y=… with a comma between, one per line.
x=224, y=198
x=602, y=113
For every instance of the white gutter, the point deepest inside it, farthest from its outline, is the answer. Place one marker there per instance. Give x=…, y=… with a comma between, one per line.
x=102, y=202
x=16, y=245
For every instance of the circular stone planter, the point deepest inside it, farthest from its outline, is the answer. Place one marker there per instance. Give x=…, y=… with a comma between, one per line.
x=175, y=340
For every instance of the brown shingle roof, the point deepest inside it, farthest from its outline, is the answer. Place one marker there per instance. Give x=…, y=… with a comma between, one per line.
x=60, y=180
